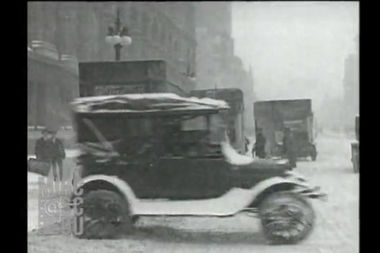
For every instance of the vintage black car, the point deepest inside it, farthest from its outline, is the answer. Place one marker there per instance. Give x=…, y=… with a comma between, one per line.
x=166, y=155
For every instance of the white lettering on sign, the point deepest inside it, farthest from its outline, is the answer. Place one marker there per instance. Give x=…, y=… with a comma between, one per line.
x=118, y=89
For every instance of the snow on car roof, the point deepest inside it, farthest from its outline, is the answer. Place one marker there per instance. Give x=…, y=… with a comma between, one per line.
x=145, y=102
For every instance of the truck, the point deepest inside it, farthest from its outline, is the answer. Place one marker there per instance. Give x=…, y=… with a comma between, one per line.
x=234, y=117
x=273, y=116
x=128, y=77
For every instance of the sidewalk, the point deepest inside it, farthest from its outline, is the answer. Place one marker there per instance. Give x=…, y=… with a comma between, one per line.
x=33, y=189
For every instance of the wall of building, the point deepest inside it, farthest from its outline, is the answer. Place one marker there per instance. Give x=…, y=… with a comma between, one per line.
x=217, y=66
x=159, y=30
x=215, y=15
x=58, y=31
x=52, y=85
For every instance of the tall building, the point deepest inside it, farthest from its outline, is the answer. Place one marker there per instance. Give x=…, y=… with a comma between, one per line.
x=351, y=87
x=66, y=33
x=159, y=29
x=217, y=65
x=52, y=84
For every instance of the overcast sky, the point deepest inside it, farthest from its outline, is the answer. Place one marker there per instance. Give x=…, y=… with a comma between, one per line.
x=296, y=49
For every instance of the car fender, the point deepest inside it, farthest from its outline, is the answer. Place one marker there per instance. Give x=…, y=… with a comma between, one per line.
x=119, y=184
x=231, y=203
x=258, y=191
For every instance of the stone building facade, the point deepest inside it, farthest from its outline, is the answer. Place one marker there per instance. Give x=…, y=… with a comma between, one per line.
x=52, y=85
x=75, y=32
x=217, y=65
x=161, y=30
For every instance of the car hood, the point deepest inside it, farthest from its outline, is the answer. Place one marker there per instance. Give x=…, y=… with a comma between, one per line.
x=267, y=164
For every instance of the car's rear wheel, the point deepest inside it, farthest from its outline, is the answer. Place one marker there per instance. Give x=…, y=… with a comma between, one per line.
x=286, y=218
x=105, y=215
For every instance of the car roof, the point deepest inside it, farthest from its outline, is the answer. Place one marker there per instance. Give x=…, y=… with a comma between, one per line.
x=147, y=104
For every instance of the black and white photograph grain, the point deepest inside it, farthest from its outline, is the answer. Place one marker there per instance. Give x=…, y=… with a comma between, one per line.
x=193, y=126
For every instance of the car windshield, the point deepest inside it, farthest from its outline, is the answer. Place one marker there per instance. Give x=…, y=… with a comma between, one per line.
x=115, y=129
x=213, y=124
x=168, y=136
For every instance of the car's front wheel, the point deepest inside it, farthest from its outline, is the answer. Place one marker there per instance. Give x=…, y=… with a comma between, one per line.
x=105, y=215
x=286, y=218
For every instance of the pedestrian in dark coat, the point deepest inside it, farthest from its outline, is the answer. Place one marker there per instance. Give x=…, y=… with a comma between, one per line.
x=289, y=147
x=259, y=147
x=246, y=144
x=57, y=155
x=42, y=147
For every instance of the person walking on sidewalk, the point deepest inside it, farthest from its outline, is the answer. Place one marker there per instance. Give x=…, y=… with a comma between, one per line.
x=289, y=147
x=259, y=147
x=58, y=154
x=42, y=146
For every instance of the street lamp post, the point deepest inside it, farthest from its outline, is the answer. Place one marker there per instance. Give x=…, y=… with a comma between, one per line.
x=118, y=36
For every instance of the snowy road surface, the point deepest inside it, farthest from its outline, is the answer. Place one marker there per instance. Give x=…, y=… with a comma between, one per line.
x=336, y=229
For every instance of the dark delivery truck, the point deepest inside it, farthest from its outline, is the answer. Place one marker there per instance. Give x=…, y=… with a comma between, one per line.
x=273, y=116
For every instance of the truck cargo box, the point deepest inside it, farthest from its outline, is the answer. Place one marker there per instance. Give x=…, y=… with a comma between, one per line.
x=112, y=78
x=273, y=116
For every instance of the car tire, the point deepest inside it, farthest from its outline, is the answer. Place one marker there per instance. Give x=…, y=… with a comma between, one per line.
x=286, y=218
x=105, y=215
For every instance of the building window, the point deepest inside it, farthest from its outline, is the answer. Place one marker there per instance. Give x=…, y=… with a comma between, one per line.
x=190, y=60
x=170, y=39
x=155, y=30
x=181, y=49
x=162, y=36
x=176, y=48
x=134, y=16
x=145, y=24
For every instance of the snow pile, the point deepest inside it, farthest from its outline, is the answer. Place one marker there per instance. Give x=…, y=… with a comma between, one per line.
x=232, y=156
x=71, y=153
x=33, y=178
x=251, y=145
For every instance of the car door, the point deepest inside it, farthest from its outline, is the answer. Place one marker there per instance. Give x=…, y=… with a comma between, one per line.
x=189, y=178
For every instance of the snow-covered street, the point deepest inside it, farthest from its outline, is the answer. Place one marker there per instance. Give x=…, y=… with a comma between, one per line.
x=336, y=229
